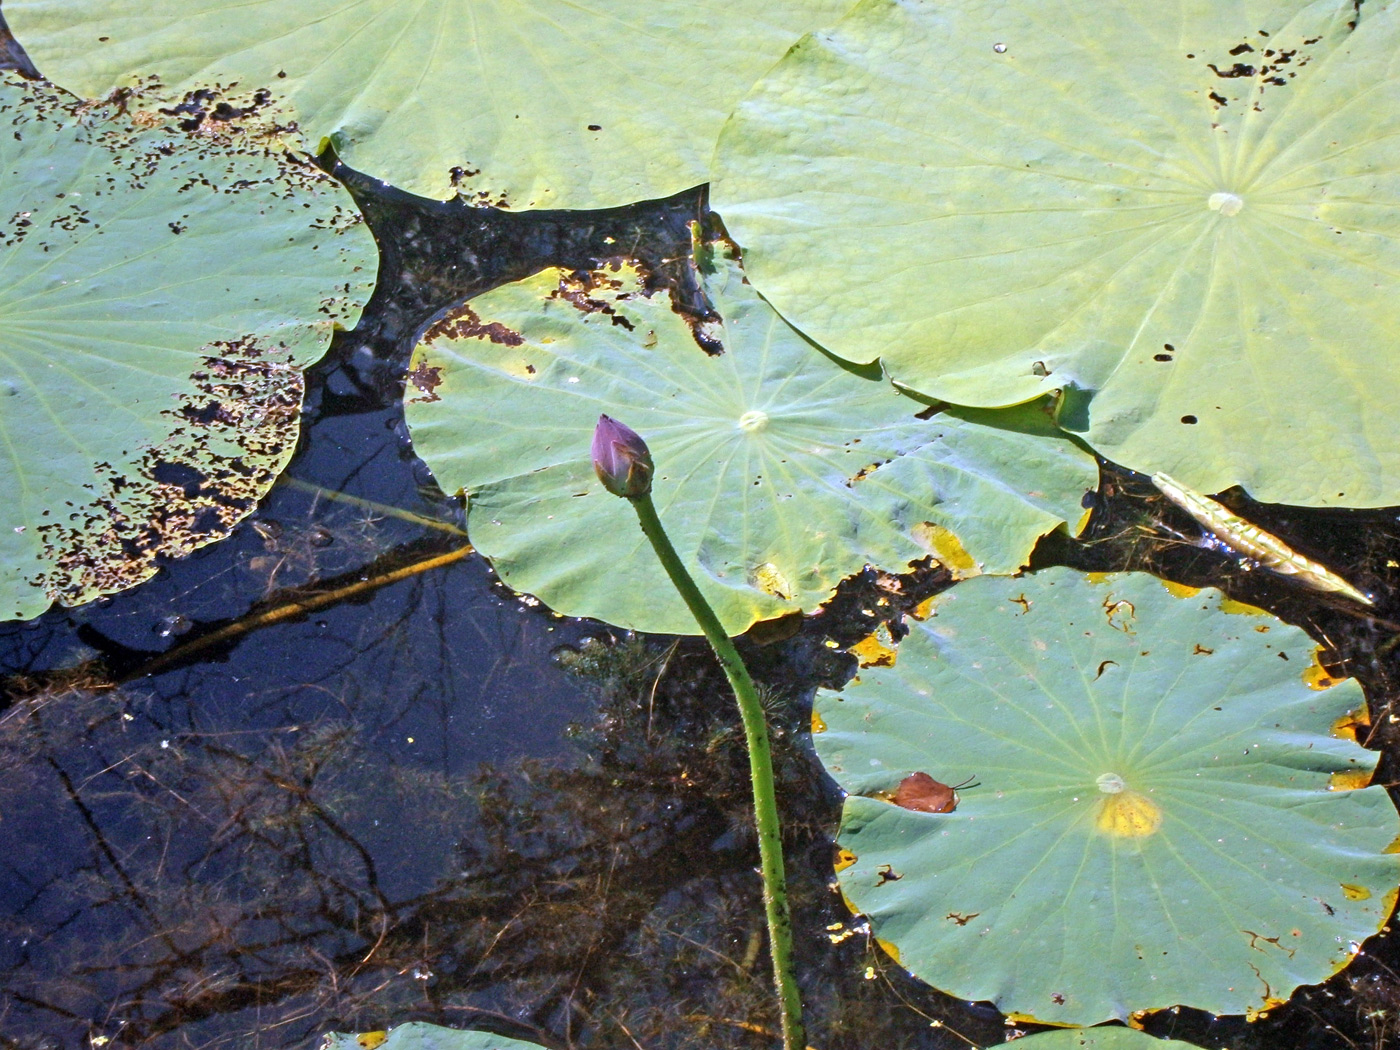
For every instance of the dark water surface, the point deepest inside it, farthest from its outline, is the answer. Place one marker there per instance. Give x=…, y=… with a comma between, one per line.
x=265, y=795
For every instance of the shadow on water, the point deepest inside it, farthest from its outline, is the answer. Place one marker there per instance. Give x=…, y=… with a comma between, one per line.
x=294, y=783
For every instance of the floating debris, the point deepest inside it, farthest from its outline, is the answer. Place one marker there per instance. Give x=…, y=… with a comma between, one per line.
x=1249, y=539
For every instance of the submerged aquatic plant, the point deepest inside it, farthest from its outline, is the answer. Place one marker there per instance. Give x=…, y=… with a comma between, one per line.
x=624, y=465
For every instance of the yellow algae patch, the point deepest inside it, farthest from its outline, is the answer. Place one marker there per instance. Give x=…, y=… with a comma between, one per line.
x=888, y=948
x=1015, y=1017
x=1318, y=677
x=844, y=859
x=818, y=723
x=1394, y=846
x=1349, y=780
x=876, y=650
x=1349, y=726
x=1388, y=904
x=1229, y=605
x=1352, y=892
x=1099, y=577
x=1252, y=1013
x=769, y=579
x=370, y=1040
x=1128, y=815
x=1180, y=590
x=948, y=549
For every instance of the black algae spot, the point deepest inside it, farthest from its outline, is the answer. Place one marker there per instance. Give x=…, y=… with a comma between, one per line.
x=1188, y=419
x=1239, y=69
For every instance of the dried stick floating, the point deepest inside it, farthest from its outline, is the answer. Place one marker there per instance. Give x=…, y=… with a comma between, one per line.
x=1265, y=548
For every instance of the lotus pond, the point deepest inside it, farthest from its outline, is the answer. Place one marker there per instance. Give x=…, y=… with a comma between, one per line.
x=346, y=705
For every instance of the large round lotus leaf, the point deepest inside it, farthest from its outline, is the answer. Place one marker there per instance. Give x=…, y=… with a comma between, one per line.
x=1185, y=214
x=778, y=470
x=1107, y=1038
x=159, y=294
x=1167, y=809
x=519, y=103
x=417, y=1035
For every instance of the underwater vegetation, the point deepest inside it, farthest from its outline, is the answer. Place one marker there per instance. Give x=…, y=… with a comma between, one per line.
x=916, y=311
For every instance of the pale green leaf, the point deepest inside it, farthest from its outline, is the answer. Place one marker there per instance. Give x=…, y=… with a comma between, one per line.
x=1183, y=214
x=521, y=103
x=417, y=1035
x=1110, y=1037
x=1167, y=806
x=159, y=295
x=778, y=471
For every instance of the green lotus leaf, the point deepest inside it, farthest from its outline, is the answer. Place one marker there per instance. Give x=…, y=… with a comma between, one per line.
x=1167, y=805
x=159, y=294
x=1184, y=215
x=778, y=470
x=1107, y=1038
x=518, y=103
x=417, y=1035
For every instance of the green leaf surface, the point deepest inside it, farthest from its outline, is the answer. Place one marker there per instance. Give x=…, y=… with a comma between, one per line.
x=1161, y=814
x=1184, y=214
x=778, y=471
x=520, y=103
x=1107, y=1038
x=160, y=293
x=417, y=1035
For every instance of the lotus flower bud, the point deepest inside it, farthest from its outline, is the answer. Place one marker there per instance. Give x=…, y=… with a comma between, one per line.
x=621, y=458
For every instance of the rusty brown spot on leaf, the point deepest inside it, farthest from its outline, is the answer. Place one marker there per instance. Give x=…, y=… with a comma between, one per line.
x=578, y=289
x=211, y=434
x=229, y=436
x=426, y=379
x=463, y=323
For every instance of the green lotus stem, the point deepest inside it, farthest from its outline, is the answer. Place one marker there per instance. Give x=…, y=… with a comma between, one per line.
x=765, y=803
x=623, y=464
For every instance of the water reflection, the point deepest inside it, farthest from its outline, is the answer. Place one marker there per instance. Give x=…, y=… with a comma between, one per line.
x=195, y=879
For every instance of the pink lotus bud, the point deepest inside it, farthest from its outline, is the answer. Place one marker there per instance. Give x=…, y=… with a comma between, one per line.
x=621, y=458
